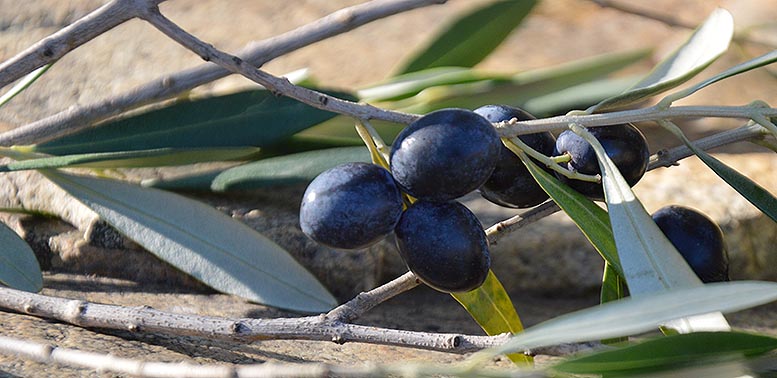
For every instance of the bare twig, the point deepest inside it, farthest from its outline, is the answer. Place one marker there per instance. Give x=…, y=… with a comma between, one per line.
x=645, y=13
x=670, y=157
x=67, y=39
x=257, y=54
x=321, y=328
x=511, y=129
x=667, y=19
x=499, y=230
x=141, y=368
x=274, y=84
x=365, y=301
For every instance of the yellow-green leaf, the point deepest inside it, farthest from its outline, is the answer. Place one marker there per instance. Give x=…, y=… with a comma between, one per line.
x=493, y=310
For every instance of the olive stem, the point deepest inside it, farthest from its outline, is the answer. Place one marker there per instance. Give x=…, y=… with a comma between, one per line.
x=515, y=143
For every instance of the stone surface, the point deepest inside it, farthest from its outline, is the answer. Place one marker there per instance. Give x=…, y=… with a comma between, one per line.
x=548, y=267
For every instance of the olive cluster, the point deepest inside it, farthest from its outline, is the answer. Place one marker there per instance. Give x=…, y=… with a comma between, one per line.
x=452, y=152
x=436, y=159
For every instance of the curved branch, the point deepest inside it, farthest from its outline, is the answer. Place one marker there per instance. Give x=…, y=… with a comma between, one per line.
x=275, y=84
x=257, y=54
x=320, y=328
x=69, y=38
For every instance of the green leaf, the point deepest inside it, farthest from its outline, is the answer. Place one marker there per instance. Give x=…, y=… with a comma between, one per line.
x=760, y=61
x=132, y=159
x=24, y=83
x=289, y=169
x=471, y=38
x=538, y=85
x=252, y=118
x=19, y=268
x=282, y=170
x=403, y=86
x=634, y=315
x=592, y=220
x=753, y=192
x=650, y=262
x=706, y=44
x=670, y=352
x=493, y=310
x=201, y=241
x=613, y=289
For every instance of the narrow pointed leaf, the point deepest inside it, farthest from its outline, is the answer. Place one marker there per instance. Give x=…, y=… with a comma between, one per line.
x=289, y=169
x=760, y=61
x=537, y=85
x=756, y=194
x=133, y=159
x=706, y=44
x=670, y=352
x=472, y=37
x=592, y=220
x=493, y=310
x=634, y=315
x=19, y=268
x=650, y=262
x=251, y=118
x=281, y=170
x=23, y=84
x=613, y=289
x=201, y=241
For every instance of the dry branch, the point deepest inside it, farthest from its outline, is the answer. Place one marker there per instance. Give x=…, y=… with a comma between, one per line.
x=256, y=54
x=321, y=327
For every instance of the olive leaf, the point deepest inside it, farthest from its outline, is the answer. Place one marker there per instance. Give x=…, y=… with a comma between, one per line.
x=229, y=257
x=704, y=46
x=19, y=268
x=634, y=315
x=251, y=118
x=471, y=38
x=130, y=159
x=649, y=260
x=491, y=307
x=669, y=352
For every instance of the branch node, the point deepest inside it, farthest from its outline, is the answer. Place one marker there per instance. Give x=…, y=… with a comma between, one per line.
x=239, y=328
x=133, y=327
x=29, y=308
x=75, y=310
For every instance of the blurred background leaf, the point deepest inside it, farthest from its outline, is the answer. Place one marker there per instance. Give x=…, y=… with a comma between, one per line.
x=472, y=37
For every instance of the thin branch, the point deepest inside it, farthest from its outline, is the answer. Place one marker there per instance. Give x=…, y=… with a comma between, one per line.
x=55, y=46
x=320, y=328
x=141, y=368
x=496, y=232
x=653, y=113
x=670, y=157
x=281, y=86
x=667, y=19
x=365, y=301
x=256, y=53
x=663, y=158
x=644, y=13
